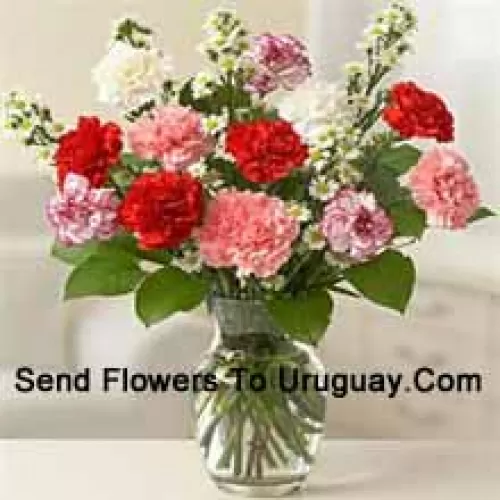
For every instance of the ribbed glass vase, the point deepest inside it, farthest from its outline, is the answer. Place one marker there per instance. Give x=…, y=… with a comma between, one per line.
x=259, y=430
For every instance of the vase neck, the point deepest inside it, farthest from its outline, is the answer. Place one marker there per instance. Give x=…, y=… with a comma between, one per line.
x=238, y=318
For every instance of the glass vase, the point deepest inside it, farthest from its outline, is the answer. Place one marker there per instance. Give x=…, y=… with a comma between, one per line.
x=260, y=427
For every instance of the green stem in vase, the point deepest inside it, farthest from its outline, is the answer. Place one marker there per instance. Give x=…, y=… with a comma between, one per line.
x=238, y=452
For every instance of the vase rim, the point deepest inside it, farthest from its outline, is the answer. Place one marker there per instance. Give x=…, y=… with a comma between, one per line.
x=216, y=298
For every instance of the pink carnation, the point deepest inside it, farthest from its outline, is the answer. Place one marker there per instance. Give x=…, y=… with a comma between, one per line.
x=80, y=213
x=355, y=226
x=444, y=189
x=277, y=62
x=172, y=134
x=249, y=231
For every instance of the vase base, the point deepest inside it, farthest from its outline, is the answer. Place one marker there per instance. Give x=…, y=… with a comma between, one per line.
x=264, y=489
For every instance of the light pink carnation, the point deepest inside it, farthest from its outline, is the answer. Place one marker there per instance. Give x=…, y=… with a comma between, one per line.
x=249, y=231
x=442, y=187
x=80, y=213
x=173, y=135
x=277, y=62
x=355, y=226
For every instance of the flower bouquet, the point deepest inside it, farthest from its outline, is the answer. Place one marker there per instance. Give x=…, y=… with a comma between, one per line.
x=262, y=191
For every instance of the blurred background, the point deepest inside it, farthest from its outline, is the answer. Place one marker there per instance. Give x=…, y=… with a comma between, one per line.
x=50, y=47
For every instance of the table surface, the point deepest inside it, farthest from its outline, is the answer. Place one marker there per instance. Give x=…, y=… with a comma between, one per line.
x=171, y=470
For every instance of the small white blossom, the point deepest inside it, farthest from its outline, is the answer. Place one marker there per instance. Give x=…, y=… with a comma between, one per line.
x=347, y=174
x=319, y=159
x=221, y=20
x=357, y=102
x=226, y=41
x=323, y=137
x=190, y=262
x=323, y=188
x=390, y=58
x=352, y=154
x=204, y=84
x=17, y=117
x=377, y=31
x=26, y=120
x=396, y=24
x=228, y=63
x=318, y=165
x=215, y=124
x=298, y=211
x=314, y=239
x=355, y=68
x=220, y=150
x=129, y=77
x=198, y=170
x=391, y=16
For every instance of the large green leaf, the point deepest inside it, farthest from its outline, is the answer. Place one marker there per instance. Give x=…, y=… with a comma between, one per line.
x=73, y=255
x=122, y=243
x=482, y=213
x=408, y=219
x=385, y=185
x=293, y=187
x=304, y=318
x=387, y=280
x=103, y=276
x=166, y=292
x=400, y=159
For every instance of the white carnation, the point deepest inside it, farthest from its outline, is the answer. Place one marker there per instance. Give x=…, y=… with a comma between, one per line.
x=129, y=76
x=310, y=108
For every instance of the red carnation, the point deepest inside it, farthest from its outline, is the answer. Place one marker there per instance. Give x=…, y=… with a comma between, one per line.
x=414, y=112
x=266, y=150
x=162, y=209
x=89, y=150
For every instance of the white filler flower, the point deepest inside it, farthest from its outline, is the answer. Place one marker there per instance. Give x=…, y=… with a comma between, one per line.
x=129, y=77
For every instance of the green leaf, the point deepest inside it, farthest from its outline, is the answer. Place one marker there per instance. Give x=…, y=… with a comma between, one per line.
x=122, y=243
x=387, y=280
x=231, y=174
x=304, y=318
x=121, y=179
x=399, y=160
x=166, y=292
x=138, y=165
x=127, y=243
x=482, y=213
x=104, y=276
x=408, y=219
x=385, y=186
x=76, y=255
x=73, y=255
x=294, y=187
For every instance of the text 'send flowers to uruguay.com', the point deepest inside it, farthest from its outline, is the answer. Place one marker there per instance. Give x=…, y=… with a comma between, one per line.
x=424, y=380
